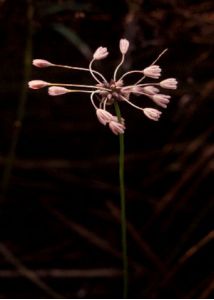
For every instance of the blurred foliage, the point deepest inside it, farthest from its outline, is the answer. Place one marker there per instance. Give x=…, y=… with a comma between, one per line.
x=60, y=232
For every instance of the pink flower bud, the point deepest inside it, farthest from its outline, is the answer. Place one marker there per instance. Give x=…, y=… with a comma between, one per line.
x=100, y=53
x=115, y=118
x=103, y=116
x=170, y=83
x=41, y=63
x=137, y=90
x=57, y=90
x=152, y=113
x=150, y=90
x=161, y=100
x=124, y=46
x=152, y=71
x=119, y=83
x=37, y=84
x=116, y=127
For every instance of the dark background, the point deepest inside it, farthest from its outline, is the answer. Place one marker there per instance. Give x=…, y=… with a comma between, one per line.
x=59, y=207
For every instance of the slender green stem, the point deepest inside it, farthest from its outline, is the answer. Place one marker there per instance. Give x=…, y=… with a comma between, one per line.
x=123, y=208
x=22, y=101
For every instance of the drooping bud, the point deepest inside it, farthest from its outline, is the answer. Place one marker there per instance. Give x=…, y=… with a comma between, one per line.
x=152, y=71
x=57, y=90
x=103, y=116
x=161, y=100
x=137, y=90
x=37, y=84
x=170, y=83
x=124, y=46
x=116, y=119
x=100, y=53
x=116, y=127
x=150, y=90
x=152, y=113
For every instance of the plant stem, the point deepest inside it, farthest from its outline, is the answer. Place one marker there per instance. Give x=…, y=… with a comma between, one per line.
x=123, y=207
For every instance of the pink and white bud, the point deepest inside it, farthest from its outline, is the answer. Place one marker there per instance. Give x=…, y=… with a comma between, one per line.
x=57, y=90
x=115, y=119
x=152, y=71
x=104, y=116
x=42, y=63
x=161, y=100
x=119, y=83
x=100, y=53
x=170, y=83
x=150, y=90
x=124, y=46
x=37, y=84
x=152, y=113
x=116, y=127
x=137, y=90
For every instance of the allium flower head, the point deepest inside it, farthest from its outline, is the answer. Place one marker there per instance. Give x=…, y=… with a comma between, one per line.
x=104, y=93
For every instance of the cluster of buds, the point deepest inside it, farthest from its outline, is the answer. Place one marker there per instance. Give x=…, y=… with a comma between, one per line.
x=105, y=93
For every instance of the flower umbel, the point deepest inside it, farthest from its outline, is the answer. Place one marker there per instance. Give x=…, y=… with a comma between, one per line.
x=105, y=93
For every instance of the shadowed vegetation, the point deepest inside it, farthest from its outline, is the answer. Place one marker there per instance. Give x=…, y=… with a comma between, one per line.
x=59, y=206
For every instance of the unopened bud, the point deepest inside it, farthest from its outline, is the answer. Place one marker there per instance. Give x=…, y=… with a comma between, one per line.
x=57, y=90
x=124, y=46
x=100, y=53
x=41, y=63
x=37, y=84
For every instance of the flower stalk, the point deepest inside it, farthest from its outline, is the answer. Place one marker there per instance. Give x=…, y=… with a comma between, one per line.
x=123, y=207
